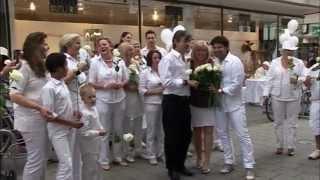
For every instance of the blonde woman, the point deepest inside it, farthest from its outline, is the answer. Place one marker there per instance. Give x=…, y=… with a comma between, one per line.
x=70, y=45
x=202, y=115
x=134, y=110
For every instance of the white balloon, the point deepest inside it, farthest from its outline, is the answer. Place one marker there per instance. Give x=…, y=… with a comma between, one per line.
x=179, y=28
x=166, y=36
x=293, y=25
x=285, y=36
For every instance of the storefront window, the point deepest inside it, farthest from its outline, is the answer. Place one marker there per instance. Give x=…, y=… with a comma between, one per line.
x=88, y=18
x=238, y=21
x=207, y=18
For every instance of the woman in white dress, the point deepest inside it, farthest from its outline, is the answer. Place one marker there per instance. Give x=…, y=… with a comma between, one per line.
x=202, y=115
x=134, y=110
x=108, y=75
x=151, y=88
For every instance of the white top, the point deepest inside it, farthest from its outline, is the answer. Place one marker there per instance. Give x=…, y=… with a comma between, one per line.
x=231, y=84
x=260, y=73
x=144, y=51
x=315, y=84
x=101, y=73
x=278, y=80
x=76, y=82
x=150, y=79
x=89, y=141
x=172, y=70
x=55, y=96
x=26, y=119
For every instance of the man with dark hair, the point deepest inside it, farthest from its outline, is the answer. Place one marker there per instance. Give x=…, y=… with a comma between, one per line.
x=151, y=39
x=232, y=110
x=175, y=105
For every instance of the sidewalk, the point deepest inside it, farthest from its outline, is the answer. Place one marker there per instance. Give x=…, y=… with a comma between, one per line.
x=269, y=166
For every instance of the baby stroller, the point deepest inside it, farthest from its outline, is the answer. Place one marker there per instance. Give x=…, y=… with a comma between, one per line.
x=13, y=153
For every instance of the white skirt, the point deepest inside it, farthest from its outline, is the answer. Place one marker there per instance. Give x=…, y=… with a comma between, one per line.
x=315, y=117
x=201, y=117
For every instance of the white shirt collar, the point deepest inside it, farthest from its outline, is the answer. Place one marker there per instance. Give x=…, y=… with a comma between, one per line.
x=176, y=53
x=56, y=81
x=70, y=57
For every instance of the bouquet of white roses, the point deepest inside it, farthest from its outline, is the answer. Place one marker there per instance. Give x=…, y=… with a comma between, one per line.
x=133, y=73
x=208, y=75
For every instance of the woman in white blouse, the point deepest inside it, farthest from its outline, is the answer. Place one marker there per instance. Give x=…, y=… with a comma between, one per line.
x=151, y=88
x=284, y=83
x=25, y=93
x=108, y=75
x=134, y=110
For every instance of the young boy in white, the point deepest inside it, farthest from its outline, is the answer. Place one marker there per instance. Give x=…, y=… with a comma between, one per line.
x=313, y=81
x=90, y=134
x=55, y=96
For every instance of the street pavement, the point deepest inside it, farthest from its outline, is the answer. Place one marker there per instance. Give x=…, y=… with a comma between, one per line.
x=269, y=166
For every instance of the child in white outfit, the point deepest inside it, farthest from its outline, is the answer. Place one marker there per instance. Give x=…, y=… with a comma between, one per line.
x=55, y=96
x=90, y=134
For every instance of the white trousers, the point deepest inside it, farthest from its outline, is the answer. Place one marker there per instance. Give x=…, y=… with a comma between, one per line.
x=61, y=141
x=285, y=114
x=76, y=156
x=111, y=117
x=36, y=144
x=91, y=169
x=133, y=126
x=315, y=117
x=237, y=120
x=155, y=146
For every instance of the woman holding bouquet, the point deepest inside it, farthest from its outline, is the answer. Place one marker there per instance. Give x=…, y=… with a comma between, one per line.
x=134, y=111
x=202, y=119
x=285, y=79
x=108, y=76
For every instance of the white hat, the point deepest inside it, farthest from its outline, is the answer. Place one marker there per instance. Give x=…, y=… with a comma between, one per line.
x=290, y=43
x=4, y=51
x=266, y=63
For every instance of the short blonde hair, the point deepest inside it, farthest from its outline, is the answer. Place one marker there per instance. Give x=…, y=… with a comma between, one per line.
x=67, y=40
x=123, y=47
x=85, y=88
x=197, y=45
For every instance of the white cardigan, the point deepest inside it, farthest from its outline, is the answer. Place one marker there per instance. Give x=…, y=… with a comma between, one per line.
x=274, y=78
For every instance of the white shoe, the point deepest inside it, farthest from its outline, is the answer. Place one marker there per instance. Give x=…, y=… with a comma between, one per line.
x=227, y=168
x=106, y=167
x=153, y=161
x=250, y=174
x=120, y=162
x=130, y=159
x=314, y=155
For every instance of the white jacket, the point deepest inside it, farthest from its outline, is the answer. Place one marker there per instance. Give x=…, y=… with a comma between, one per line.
x=274, y=78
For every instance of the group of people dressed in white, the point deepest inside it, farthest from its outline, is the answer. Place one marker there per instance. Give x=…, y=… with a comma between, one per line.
x=85, y=106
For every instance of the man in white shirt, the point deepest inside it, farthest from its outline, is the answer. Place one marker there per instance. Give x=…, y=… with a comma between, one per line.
x=176, y=111
x=232, y=110
x=151, y=40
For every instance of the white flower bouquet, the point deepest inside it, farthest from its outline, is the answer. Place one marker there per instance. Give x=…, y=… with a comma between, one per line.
x=208, y=75
x=133, y=74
